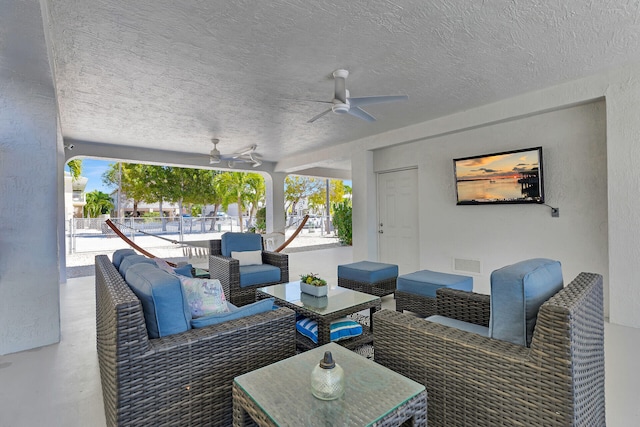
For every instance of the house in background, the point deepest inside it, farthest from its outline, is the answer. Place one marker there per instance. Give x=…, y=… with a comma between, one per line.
x=74, y=195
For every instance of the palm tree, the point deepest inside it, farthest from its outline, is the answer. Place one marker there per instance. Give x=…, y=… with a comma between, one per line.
x=98, y=203
x=256, y=192
x=236, y=189
x=75, y=168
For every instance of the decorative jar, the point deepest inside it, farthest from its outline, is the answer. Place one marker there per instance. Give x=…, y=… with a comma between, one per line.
x=327, y=379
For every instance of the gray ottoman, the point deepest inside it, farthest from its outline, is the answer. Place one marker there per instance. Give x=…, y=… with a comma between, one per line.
x=375, y=278
x=416, y=292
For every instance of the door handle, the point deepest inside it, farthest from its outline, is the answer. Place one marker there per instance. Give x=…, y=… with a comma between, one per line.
x=380, y=231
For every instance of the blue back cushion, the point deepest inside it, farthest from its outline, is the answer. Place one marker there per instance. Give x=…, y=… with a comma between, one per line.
x=164, y=305
x=235, y=313
x=258, y=273
x=119, y=255
x=517, y=292
x=240, y=242
x=130, y=260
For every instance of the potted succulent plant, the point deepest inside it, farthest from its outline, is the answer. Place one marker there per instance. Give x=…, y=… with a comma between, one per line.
x=313, y=285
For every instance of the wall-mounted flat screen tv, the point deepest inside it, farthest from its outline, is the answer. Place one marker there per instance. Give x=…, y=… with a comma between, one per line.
x=508, y=177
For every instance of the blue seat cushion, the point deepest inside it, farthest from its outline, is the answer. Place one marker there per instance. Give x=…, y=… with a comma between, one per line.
x=259, y=273
x=517, y=292
x=240, y=242
x=164, y=305
x=368, y=271
x=257, y=307
x=427, y=282
x=119, y=255
x=131, y=260
x=459, y=324
x=340, y=329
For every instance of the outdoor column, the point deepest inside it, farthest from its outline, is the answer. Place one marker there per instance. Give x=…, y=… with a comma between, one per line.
x=30, y=180
x=365, y=216
x=274, y=183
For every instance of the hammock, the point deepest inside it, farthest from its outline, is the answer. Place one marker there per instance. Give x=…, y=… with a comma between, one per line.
x=189, y=249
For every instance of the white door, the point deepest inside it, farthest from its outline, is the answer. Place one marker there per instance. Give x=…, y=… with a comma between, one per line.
x=398, y=237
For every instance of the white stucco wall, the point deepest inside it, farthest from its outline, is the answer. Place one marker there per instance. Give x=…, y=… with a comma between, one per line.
x=575, y=167
x=29, y=186
x=620, y=89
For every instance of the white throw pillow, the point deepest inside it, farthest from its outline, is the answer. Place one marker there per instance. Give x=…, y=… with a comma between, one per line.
x=247, y=257
x=204, y=296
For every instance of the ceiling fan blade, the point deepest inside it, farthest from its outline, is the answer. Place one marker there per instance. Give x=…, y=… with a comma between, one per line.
x=361, y=114
x=306, y=100
x=368, y=100
x=244, y=151
x=314, y=118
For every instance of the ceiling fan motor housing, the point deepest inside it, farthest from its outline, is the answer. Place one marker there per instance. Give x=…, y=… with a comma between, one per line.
x=340, y=107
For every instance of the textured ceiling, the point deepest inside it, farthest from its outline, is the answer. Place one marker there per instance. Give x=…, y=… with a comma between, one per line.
x=171, y=75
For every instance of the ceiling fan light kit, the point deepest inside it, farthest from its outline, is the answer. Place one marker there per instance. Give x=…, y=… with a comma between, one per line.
x=343, y=103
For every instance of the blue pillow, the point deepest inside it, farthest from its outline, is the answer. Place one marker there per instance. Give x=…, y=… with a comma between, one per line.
x=119, y=255
x=184, y=270
x=164, y=304
x=257, y=307
x=130, y=260
x=341, y=329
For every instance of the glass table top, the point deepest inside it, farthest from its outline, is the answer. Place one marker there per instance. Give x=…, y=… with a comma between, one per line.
x=337, y=298
x=283, y=390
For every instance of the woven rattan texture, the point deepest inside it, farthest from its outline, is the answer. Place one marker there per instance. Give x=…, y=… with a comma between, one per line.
x=477, y=381
x=183, y=379
x=422, y=305
x=380, y=289
x=227, y=270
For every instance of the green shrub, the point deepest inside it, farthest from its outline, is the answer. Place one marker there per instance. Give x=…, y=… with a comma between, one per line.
x=261, y=220
x=342, y=222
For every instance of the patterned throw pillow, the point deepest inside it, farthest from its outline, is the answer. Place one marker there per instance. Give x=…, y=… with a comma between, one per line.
x=204, y=296
x=341, y=329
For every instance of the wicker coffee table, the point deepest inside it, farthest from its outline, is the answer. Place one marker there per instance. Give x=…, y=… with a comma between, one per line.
x=338, y=303
x=280, y=394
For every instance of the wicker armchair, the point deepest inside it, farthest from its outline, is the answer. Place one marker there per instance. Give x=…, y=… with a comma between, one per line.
x=227, y=270
x=473, y=380
x=183, y=379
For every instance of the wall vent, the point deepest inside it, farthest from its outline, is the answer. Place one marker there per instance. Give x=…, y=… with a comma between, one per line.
x=467, y=265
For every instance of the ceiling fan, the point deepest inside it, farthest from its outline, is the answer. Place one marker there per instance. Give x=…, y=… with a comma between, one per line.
x=343, y=103
x=246, y=155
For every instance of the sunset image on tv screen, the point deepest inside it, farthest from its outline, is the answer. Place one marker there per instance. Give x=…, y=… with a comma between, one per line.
x=513, y=177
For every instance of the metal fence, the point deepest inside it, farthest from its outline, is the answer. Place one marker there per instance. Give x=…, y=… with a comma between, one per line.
x=87, y=234
x=83, y=233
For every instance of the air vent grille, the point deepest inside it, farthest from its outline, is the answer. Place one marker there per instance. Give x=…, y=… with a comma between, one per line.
x=467, y=265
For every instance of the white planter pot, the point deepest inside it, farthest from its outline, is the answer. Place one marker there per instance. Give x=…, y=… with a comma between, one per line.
x=314, y=301
x=316, y=291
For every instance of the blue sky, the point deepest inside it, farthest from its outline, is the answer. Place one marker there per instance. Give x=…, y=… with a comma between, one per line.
x=93, y=170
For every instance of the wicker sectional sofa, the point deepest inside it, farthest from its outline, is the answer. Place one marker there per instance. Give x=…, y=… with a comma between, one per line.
x=473, y=380
x=182, y=379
